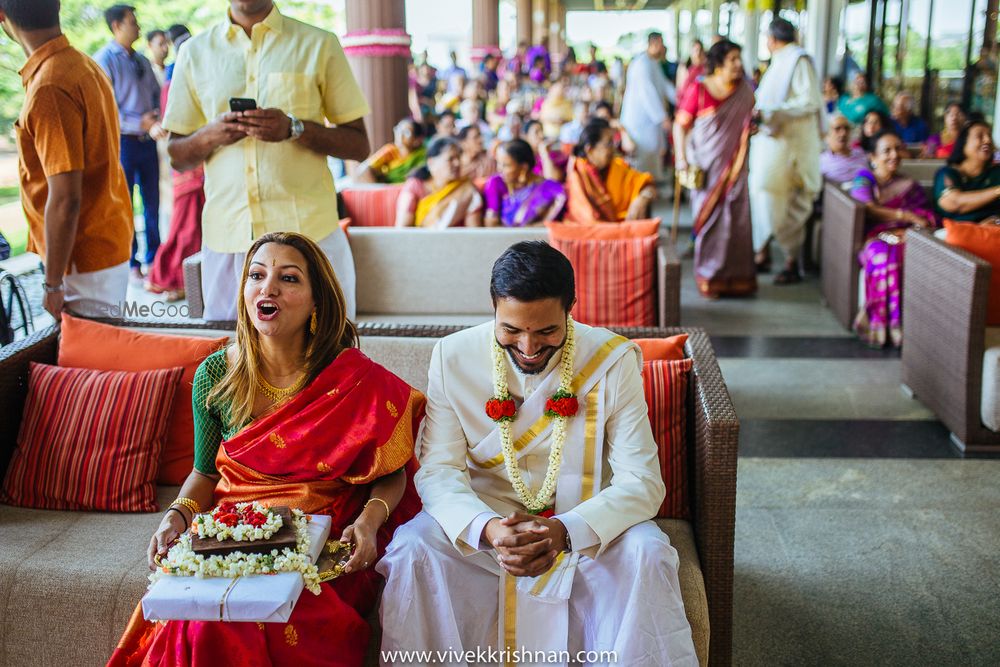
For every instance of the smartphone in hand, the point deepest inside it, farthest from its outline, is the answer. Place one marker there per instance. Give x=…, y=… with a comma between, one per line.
x=242, y=104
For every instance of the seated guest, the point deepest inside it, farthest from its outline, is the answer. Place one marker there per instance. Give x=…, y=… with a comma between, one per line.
x=601, y=187
x=294, y=370
x=940, y=145
x=860, y=101
x=840, y=161
x=470, y=112
x=491, y=524
x=476, y=161
x=556, y=109
x=550, y=162
x=445, y=125
x=393, y=162
x=833, y=89
x=569, y=134
x=893, y=203
x=875, y=123
x=911, y=129
x=517, y=197
x=436, y=196
x=967, y=189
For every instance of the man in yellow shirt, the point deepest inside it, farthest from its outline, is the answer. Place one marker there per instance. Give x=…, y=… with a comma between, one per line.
x=265, y=169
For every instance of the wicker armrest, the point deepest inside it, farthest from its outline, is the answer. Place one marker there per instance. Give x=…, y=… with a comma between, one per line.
x=41, y=346
x=668, y=286
x=192, y=286
x=843, y=234
x=945, y=292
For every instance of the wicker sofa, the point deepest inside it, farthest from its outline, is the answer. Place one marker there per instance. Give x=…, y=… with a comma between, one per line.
x=70, y=580
x=945, y=293
x=414, y=276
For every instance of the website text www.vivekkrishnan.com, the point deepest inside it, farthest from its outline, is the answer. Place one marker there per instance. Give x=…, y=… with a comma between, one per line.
x=498, y=657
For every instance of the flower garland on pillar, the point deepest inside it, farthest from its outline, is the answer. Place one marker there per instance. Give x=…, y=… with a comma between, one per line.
x=378, y=43
x=560, y=407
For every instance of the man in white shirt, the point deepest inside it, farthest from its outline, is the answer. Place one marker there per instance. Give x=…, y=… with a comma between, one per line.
x=567, y=422
x=644, y=107
x=784, y=156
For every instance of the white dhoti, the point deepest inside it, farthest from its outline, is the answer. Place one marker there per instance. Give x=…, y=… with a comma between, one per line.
x=627, y=601
x=221, y=273
x=644, y=110
x=96, y=293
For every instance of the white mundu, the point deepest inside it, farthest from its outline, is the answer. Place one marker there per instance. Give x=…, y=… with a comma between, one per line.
x=784, y=156
x=644, y=110
x=617, y=591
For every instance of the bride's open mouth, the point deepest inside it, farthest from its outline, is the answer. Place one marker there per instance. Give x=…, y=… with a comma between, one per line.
x=267, y=310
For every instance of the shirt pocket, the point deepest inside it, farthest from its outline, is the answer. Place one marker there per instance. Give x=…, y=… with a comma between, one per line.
x=294, y=93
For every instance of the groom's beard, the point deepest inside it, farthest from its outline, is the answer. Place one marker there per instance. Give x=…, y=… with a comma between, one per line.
x=543, y=358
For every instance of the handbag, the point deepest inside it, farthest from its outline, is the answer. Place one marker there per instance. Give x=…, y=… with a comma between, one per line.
x=691, y=178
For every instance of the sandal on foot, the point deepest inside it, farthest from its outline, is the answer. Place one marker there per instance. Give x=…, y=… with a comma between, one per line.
x=788, y=277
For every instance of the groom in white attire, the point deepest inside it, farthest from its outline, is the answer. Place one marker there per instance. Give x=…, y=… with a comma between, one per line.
x=539, y=478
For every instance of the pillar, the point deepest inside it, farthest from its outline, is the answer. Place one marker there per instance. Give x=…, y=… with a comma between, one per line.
x=822, y=33
x=485, y=29
x=557, y=28
x=540, y=22
x=716, y=11
x=524, y=21
x=378, y=47
x=752, y=23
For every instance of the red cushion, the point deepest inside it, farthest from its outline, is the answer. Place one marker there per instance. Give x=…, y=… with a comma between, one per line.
x=86, y=344
x=615, y=278
x=90, y=440
x=662, y=349
x=984, y=242
x=372, y=207
x=665, y=385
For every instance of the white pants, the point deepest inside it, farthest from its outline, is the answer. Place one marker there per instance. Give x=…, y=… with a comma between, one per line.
x=628, y=600
x=96, y=293
x=221, y=276
x=782, y=215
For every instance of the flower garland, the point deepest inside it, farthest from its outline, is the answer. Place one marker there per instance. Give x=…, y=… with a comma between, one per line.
x=560, y=407
x=240, y=522
x=182, y=561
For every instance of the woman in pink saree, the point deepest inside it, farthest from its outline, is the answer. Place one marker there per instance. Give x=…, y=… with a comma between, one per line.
x=712, y=133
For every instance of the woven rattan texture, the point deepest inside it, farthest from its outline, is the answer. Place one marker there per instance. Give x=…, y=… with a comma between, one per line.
x=843, y=234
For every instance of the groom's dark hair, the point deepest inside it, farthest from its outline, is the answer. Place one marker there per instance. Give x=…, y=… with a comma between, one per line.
x=533, y=270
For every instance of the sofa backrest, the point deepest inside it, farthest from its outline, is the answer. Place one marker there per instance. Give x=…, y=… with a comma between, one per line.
x=922, y=170
x=409, y=358
x=443, y=272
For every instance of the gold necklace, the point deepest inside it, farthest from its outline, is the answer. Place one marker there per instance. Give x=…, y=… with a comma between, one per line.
x=274, y=393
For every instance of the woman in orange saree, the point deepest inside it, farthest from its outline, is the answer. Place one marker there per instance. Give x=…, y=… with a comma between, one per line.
x=602, y=187
x=337, y=439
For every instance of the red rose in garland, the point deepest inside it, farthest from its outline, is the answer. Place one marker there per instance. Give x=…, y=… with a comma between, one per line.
x=500, y=410
x=562, y=404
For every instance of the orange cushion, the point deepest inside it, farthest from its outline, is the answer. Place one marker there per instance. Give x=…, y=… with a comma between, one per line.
x=983, y=242
x=372, y=206
x=629, y=229
x=615, y=275
x=90, y=440
x=662, y=349
x=665, y=386
x=86, y=344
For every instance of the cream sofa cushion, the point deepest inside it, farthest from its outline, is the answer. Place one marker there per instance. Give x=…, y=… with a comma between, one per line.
x=990, y=401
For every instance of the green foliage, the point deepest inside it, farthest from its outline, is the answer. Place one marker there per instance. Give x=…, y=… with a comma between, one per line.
x=83, y=23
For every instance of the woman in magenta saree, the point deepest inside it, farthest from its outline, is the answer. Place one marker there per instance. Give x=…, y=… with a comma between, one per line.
x=517, y=197
x=894, y=203
x=712, y=133
x=338, y=440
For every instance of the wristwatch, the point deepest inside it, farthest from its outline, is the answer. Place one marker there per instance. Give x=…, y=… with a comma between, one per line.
x=52, y=289
x=296, y=128
x=569, y=544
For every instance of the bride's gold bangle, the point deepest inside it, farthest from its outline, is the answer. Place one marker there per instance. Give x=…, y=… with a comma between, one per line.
x=378, y=500
x=188, y=503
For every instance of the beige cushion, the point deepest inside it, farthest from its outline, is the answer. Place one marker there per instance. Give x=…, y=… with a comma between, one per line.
x=434, y=272
x=990, y=402
x=692, y=581
x=409, y=358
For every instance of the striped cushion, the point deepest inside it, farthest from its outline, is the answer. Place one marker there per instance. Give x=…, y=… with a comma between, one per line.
x=665, y=385
x=372, y=206
x=615, y=280
x=90, y=440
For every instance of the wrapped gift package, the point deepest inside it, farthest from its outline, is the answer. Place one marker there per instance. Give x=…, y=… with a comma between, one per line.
x=264, y=598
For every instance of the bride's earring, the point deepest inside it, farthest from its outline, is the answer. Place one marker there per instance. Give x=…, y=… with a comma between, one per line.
x=312, y=323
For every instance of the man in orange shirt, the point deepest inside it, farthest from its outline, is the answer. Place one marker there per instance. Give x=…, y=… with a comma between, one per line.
x=72, y=185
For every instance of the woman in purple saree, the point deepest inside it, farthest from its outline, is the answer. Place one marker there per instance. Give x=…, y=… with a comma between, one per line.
x=517, y=197
x=712, y=133
x=893, y=204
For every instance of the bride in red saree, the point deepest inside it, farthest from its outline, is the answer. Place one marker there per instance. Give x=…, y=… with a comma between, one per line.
x=292, y=414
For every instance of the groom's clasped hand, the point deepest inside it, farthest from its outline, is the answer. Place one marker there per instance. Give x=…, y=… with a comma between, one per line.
x=526, y=544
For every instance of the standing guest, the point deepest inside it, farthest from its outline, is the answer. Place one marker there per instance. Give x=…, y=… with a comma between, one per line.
x=602, y=187
x=841, y=161
x=453, y=70
x=693, y=69
x=875, y=122
x=595, y=64
x=784, y=156
x=644, y=107
x=967, y=189
x=138, y=96
x=177, y=34
x=715, y=115
x=72, y=187
x=550, y=162
x=423, y=93
x=489, y=75
x=393, y=162
x=942, y=144
x=893, y=203
x=437, y=196
x=517, y=196
x=911, y=129
x=477, y=163
x=861, y=100
x=265, y=169
x=159, y=49
x=445, y=125
x=541, y=64
x=519, y=61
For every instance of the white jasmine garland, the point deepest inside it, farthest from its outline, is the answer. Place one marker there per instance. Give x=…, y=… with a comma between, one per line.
x=182, y=561
x=538, y=502
x=207, y=526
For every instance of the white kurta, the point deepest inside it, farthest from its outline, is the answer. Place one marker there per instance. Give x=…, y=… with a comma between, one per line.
x=644, y=109
x=784, y=156
x=443, y=583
